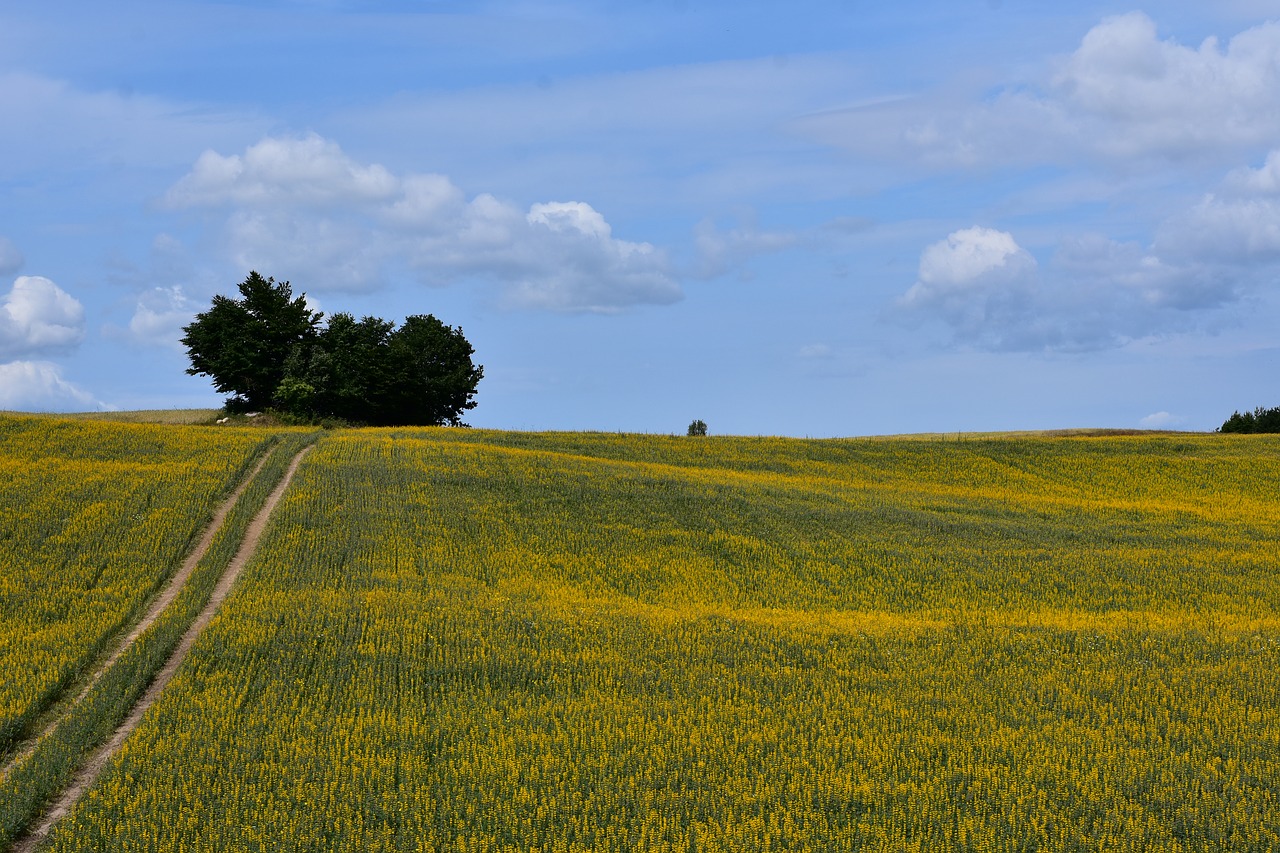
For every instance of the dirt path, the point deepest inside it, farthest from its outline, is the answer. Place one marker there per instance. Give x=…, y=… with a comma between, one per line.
x=98, y=760
x=158, y=605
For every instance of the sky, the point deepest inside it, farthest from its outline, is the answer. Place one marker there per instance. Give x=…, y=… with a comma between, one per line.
x=811, y=219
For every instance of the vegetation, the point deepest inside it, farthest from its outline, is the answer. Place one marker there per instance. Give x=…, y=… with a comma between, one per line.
x=35, y=776
x=93, y=518
x=698, y=427
x=464, y=640
x=268, y=350
x=1259, y=420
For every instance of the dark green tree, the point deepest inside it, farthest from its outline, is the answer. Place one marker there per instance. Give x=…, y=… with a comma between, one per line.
x=432, y=378
x=698, y=427
x=243, y=344
x=344, y=372
x=269, y=351
x=1259, y=420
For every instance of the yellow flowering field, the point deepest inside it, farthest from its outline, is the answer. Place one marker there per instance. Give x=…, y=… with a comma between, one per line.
x=93, y=517
x=458, y=640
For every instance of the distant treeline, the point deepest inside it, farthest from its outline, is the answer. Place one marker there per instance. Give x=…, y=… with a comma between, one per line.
x=1259, y=420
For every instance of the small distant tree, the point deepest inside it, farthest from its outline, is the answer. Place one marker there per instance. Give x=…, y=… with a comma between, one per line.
x=1259, y=420
x=698, y=427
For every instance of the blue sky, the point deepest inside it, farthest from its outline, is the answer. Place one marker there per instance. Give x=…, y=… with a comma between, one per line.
x=820, y=218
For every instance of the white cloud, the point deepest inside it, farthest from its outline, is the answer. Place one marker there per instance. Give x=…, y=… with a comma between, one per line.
x=316, y=251
x=11, y=259
x=1264, y=180
x=978, y=281
x=159, y=315
x=301, y=209
x=37, y=316
x=1124, y=96
x=1162, y=420
x=1225, y=229
x=38, y=386
x=1238, y=224
x=310, y=171
x=974, y=257
x=1126, y=272
x=1095, y=294
x=1163, y=97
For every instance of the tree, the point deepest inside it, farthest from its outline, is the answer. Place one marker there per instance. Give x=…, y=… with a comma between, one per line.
x=1259, y=420
x=432, y=377
x=698, y=427
x=342, y=373
x=371, y=372
x=268, y=350
x=243, y=344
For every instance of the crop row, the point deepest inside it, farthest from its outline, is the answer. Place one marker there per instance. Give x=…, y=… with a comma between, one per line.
x=40, y=772
x=93, y=518
x=455, y=641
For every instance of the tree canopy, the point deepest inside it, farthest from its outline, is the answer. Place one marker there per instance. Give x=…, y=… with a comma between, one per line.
x=243, y=344
x=1259, y=420
x=268, y=350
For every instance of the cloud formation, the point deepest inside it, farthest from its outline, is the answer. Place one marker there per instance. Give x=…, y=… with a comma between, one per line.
x=37, y=316
x=38, y=386
x=978, y=281
x=302, y=209
x=1124, y=96
x=310, y=171
x=159, y=315
x=1162, y=420
x=1240, y=223
x=1097, y=292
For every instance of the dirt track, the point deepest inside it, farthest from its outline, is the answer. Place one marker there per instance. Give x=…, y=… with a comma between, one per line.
x=158, y=605
x=99, y=759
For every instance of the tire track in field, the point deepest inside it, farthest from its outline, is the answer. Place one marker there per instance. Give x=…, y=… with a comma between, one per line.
x=168, y=594
x=98, y=760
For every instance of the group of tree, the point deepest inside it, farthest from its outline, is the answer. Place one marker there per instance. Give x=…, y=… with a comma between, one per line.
x=1259, y=420
x=268, y=350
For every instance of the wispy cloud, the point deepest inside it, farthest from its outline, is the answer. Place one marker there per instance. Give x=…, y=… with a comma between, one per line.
x=1123, y=96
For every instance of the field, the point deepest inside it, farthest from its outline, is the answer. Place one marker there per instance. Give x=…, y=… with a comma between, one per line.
x=92, y=518
x=464, y=640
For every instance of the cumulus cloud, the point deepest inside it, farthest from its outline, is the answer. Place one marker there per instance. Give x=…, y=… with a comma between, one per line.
x=307, y=171
x=1095, y=293
x=303, y=210
x=1239, y=223
x=38, y=386
x=1124, y=96
x=978, y=281
x=37, y=316
x=11, y=259
x=1162, y=420
x=1161, y=96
